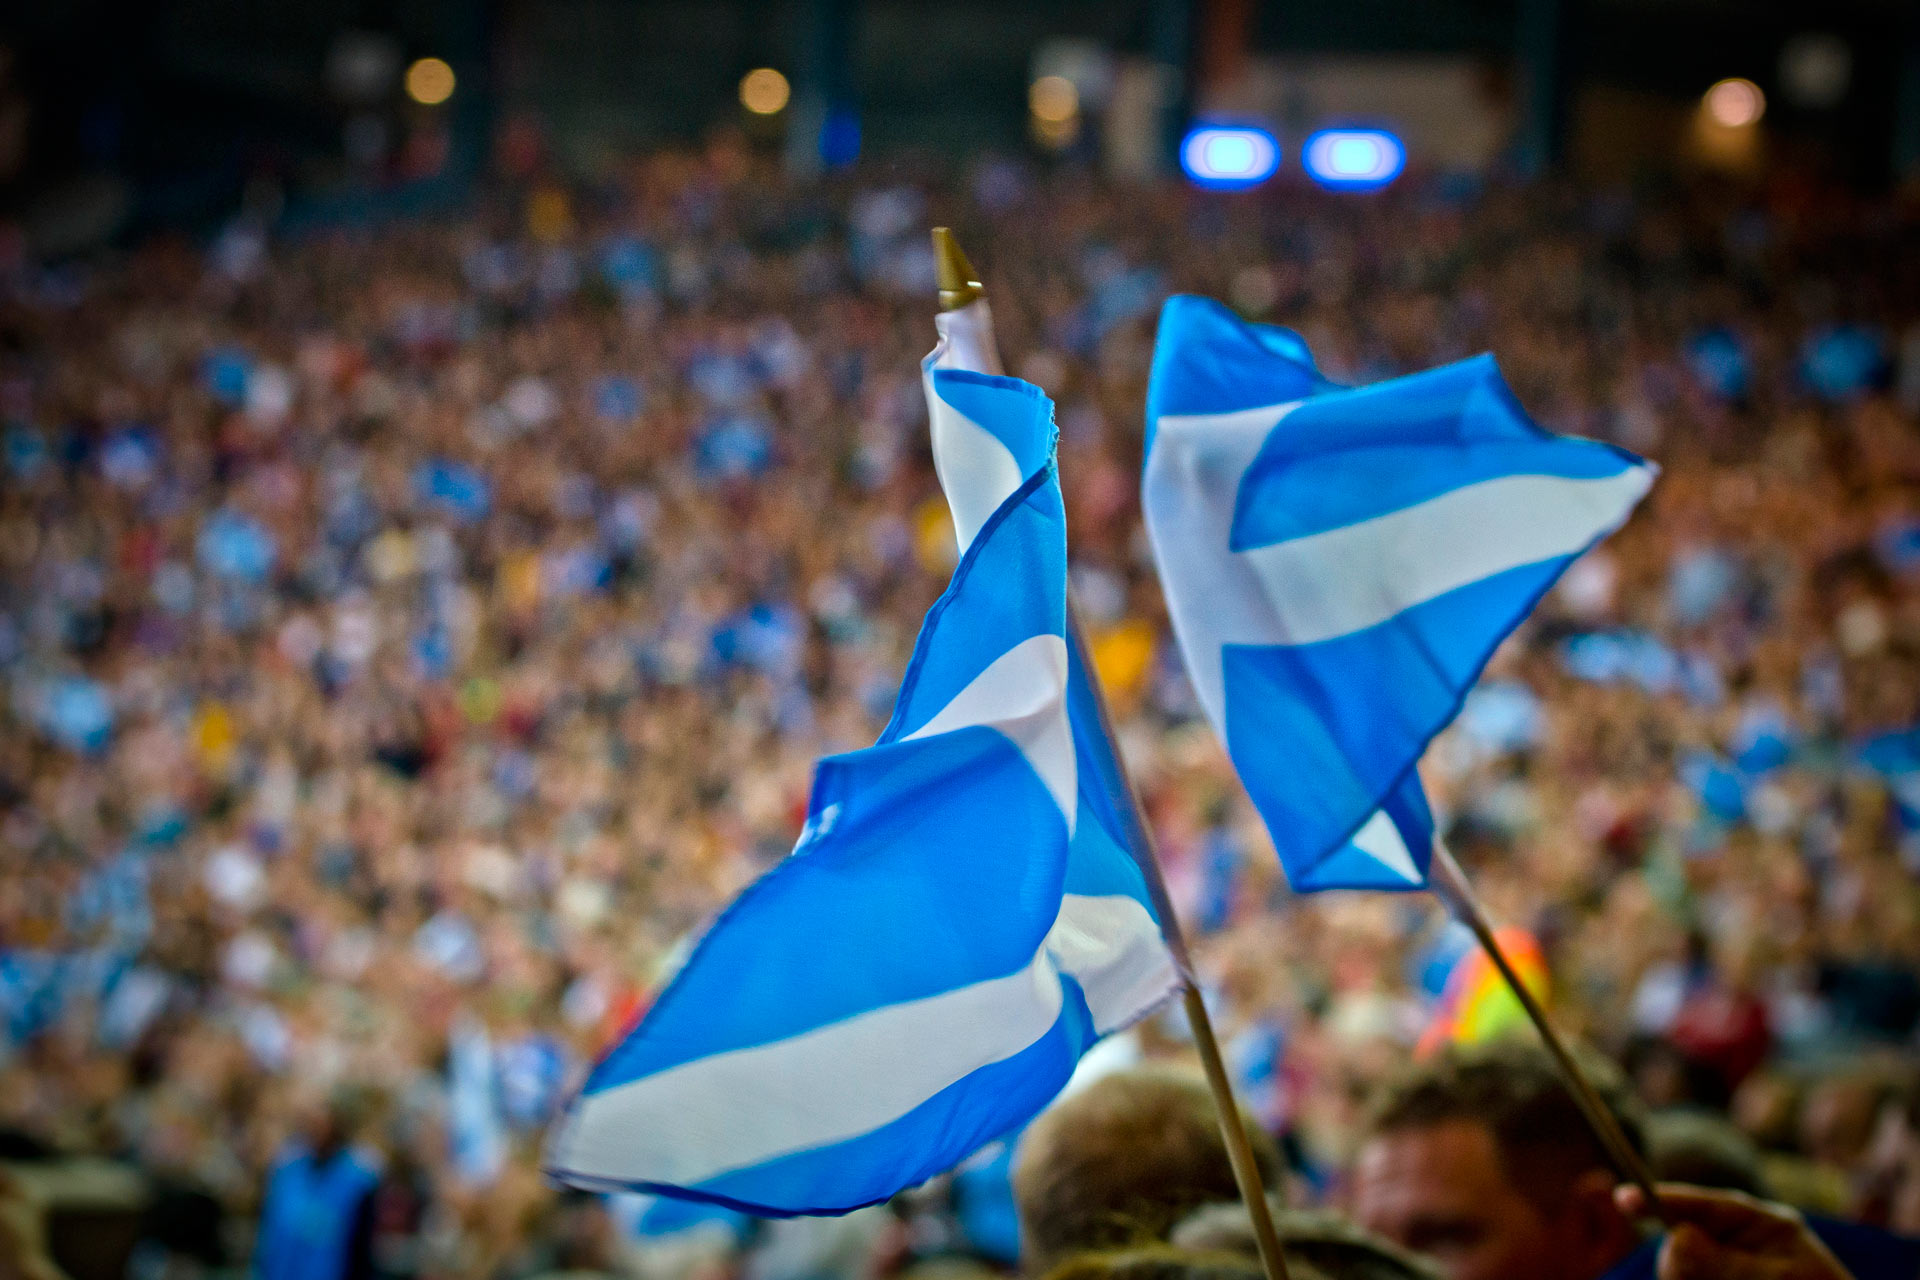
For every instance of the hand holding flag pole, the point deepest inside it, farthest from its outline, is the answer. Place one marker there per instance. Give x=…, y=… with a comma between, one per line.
x=973, y=347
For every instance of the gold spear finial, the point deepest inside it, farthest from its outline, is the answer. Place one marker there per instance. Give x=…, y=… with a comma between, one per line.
x=959, y=282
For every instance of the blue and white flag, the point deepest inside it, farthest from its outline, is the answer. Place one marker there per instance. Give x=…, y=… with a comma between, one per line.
x=1340, y=564
x=921, y=975
x=643, y=1217
x=980, y=463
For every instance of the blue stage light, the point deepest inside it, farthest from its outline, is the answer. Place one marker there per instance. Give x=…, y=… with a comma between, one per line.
x=1354, y=159
x=1229, y=157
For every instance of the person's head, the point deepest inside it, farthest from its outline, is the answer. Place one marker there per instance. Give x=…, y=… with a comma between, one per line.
x=336, y=1121
x=1326, y=1242
x=1837, y=1120
x=581, y=1232
x=1482, y=1161
x=1120, y=1162
x=325, y=1128
x=1159, y=1262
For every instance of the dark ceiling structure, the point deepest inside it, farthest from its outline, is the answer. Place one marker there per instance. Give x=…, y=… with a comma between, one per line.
x=186, y=99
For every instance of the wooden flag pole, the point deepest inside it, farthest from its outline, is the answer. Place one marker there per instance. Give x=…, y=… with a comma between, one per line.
x=1246, y=1168
x=959, y=284
x=1451, y=886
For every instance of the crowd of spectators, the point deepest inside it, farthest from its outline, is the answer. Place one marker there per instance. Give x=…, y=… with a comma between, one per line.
x=410, y=633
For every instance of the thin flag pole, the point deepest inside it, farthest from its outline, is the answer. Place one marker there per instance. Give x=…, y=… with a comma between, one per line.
x=1246, y=1169
x=959, y=284
x=1451, y=886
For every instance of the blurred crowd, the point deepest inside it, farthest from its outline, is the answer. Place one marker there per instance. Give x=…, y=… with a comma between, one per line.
x=410, y=633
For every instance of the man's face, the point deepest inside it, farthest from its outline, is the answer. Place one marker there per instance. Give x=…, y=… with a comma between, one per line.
x=1440, y=1191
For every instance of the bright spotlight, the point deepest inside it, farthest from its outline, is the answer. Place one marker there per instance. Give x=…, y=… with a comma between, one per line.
x=430, y=81
x=1735, y=103
x=1053, y=100
x=1354, y=159
x=764, y=91
x=1229, y=158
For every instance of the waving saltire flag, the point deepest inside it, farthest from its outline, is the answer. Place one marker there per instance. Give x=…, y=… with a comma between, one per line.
x=1340, y=564
x=921, y=975
x=979, y=464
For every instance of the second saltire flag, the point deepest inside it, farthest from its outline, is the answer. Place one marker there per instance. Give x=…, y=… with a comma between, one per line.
x=1340, y=564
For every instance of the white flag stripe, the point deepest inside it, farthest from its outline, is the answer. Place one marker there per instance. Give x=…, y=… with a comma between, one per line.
x=1348, y=579
x=1023, y=694
x=1381, y=840
x=977, y=472
x=690, y=1124
x=1113, y=949
x=966, y=339
x=1194, y=458
x=1261, y=418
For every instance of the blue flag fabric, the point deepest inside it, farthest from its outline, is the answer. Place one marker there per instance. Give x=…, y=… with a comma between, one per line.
x=921, y=975
x=981, y=457
x=1340, y=564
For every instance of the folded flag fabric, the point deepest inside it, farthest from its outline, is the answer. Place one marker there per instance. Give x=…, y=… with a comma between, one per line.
x=978, y=463
x=1341, y=563
x=980, y=456
x=920, y=975
x=654, y=1218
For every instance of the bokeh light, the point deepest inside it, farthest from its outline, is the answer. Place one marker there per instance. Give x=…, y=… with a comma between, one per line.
x=1816, y=69
x=1735, y=103
x=430, y=81
x=1053, y=100
x=1229, y=158
x=764, y=91
x=1354, y=159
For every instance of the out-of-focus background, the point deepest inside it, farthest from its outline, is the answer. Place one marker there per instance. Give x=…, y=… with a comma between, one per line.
x=120, y=119
x=463, y=463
